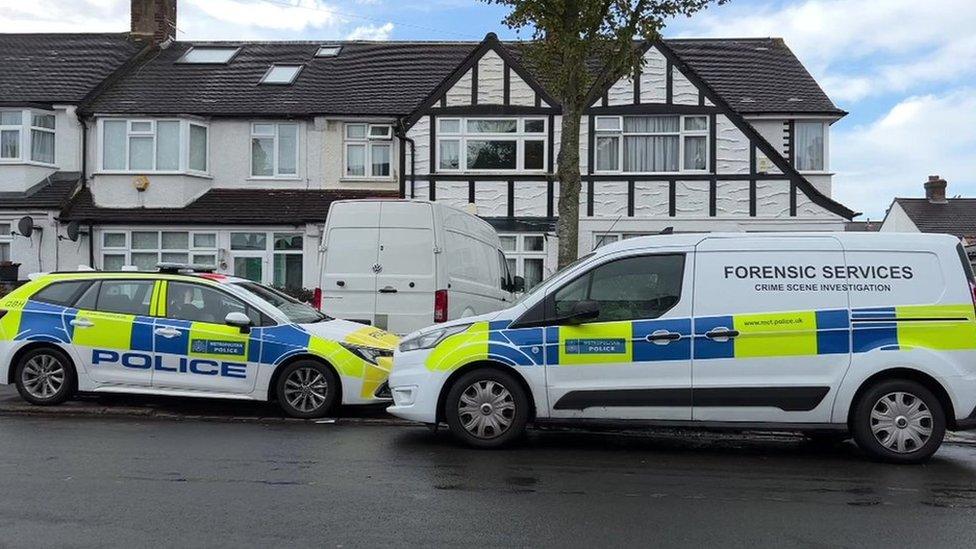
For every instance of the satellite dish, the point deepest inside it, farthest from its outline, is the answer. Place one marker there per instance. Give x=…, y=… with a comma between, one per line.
x=25, y=227
x=74, y=231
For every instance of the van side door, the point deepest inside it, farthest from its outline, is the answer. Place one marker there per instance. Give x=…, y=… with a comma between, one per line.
x=772, y=328
x=632, y=358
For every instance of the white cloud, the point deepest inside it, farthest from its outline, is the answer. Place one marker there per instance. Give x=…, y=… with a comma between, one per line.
x=371, y=32
x=280, y=15
x=59, y=16
x=841, y=41
x=892, y=156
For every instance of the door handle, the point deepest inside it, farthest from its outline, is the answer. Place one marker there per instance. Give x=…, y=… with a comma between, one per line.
x=721, y=333
x=663, y=337
x=167, y=332
x=388, y=290
x=82, y=323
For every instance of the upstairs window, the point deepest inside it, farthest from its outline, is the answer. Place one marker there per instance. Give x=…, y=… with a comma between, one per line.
x=810, y=141
x=208, y=55
x=491, y=144
x=368, y=150
x=153, y=146
x=281, y=74
x=27, y=136
x=651, y=144
x=274, y=150
x=328, y=51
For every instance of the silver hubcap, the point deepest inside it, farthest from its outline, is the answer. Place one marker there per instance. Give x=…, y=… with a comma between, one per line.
x=43, y=376
x=306, y=389
x=486, y=409
x=901, y=422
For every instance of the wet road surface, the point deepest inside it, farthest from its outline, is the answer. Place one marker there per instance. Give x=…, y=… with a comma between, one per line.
x=93, y=481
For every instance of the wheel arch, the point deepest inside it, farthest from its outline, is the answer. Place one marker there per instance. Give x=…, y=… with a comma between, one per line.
x=486, y=365
x=273, y=382
x=913, y=374
x=33, y=345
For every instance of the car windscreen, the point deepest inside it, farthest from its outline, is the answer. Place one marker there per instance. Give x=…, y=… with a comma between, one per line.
x=294, y=310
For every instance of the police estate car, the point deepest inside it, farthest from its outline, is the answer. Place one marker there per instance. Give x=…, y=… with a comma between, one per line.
x=184, y=333
x=864, y=335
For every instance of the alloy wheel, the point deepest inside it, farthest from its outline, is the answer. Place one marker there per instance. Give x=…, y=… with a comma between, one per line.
x=43, y=376
x=306, y=389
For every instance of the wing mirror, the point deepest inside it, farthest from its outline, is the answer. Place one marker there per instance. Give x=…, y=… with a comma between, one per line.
x=518, y=284
x=583, y=311
x=239, y=319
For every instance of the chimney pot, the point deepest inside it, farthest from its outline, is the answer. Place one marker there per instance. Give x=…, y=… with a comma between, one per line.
x=153, y=20
x=935, y=190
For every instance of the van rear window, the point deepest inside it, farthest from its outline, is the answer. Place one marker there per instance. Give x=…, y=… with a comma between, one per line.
x=967, y=267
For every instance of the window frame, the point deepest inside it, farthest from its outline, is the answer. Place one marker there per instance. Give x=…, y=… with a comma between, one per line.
x=264, y=79
x=521, y=253
x=25, y=136
x=620, y=134
x=276, y=152
x=549, y=306
x=368, y=141
x=520, y=136
x=184, y=59
x=126, y=250
x=183, y=167
x=6, y=240
x=825, y=154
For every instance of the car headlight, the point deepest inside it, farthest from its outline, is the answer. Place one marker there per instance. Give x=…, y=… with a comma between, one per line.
x=369, y=354
x=426, y=340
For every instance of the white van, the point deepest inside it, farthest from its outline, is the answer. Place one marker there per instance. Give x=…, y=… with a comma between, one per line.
x=870, y=336
x=401, y=265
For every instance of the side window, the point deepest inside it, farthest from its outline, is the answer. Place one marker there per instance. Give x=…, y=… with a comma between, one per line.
x=642, y=287
x=61, y=293
x=506, y=276
x=198, y=303
x=125, y=296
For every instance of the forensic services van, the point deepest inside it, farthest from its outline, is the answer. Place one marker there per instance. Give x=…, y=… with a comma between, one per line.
x=870, y=336
x=401, y=265
x=184, y=333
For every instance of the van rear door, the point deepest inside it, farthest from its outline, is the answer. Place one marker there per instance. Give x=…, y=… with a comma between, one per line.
x=405, y=281
x=349, y=271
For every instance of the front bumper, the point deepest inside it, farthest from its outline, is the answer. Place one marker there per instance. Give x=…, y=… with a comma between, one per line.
x=414, y=388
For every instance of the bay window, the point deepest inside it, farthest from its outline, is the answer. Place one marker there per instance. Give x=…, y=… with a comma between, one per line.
x=491, y=144
x=145, y=249
x=368, y=150
x=274, y=150
x=810, y=141
x=153, y=146
x=651, y=144
x=27, y=136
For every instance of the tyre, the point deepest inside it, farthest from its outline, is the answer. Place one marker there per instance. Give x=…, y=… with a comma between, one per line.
x=899, y=421
x=307, y=389
x=45, y=376
x=486, y=408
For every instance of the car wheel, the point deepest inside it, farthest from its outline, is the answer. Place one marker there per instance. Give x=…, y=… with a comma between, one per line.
x=899, y=421
x=307, y=389
x=487, y=408
x=45, y=377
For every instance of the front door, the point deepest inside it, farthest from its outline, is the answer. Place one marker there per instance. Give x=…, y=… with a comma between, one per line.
x=772, y=329
x=633, y=360
x=195, y=349
x=113, y=332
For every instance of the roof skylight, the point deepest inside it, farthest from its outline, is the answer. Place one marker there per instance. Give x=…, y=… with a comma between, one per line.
x=281, y=74
x=328, y=51
x=208, y=55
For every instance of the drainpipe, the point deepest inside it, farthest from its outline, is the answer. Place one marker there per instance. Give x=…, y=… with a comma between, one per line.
x=84, y=183
x=402, y=136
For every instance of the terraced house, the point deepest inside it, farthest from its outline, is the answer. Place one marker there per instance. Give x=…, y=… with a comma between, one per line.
x=230, y=153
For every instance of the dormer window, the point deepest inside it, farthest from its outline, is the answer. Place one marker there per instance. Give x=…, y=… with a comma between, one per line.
x=328, y=51
x=281, y=74
x=208, y=55
x=27, y=136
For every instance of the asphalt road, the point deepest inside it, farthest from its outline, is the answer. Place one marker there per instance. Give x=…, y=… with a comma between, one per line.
x=93, y=481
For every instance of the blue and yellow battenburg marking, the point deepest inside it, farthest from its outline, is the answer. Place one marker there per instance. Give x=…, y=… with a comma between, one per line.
x=761, y=335
x=28, y=320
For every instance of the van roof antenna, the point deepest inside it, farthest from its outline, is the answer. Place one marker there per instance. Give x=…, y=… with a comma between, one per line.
x=612, y=225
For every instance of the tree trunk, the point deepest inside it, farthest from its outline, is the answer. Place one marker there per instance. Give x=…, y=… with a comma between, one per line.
x=568, y=176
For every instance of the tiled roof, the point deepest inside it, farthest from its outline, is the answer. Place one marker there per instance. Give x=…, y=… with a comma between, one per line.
x=50, y=194
x=755, y=75
x=957, y=216
x=226, y=207
x=59, y=68
x=393, y=78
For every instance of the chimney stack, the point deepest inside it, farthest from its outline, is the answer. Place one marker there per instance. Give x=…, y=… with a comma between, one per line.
x=153, y=20
x=935, y=190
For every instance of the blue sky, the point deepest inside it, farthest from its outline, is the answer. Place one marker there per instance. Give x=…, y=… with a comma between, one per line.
x=905, y=70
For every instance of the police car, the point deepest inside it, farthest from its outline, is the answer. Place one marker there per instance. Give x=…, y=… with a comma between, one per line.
x=184, y=333
x=870, y=336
